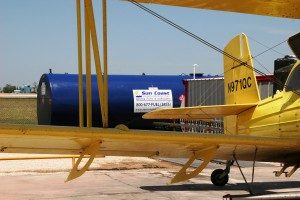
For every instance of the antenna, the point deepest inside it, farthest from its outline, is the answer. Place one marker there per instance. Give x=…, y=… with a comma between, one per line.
x=195, y=65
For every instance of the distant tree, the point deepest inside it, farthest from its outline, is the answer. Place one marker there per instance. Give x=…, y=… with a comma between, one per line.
x=9, y=88
x=34, y=87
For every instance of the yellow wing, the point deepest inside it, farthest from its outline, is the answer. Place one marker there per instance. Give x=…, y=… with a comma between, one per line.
x=275, y=8
x=73, y=140
x=198, y=112
x=124, y=142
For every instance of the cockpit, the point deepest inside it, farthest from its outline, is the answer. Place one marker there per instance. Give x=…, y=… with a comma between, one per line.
x=293, y=82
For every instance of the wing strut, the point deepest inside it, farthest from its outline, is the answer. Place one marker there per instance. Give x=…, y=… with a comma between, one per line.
x=206, y=155
x=91, y=40
x=90, y=150
x=287, y=174
x=248, y=185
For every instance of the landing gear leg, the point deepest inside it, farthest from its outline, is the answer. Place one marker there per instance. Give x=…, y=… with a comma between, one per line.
x=219, y=177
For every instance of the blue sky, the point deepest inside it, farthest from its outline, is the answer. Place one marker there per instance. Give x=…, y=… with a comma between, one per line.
x=36, y=35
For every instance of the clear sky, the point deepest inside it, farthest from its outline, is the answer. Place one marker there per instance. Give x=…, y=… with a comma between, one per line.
x=36, y=35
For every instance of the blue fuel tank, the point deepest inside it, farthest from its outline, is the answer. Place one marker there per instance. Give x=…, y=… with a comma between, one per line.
x=57, y=99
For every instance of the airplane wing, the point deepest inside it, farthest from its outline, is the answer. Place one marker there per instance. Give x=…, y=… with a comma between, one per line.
x=125, y=142
x=198, y=112
x=275, y=8
x=119, y=142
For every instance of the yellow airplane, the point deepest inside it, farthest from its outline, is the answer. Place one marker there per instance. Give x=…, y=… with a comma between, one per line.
x=245, y=115
x=256, y=130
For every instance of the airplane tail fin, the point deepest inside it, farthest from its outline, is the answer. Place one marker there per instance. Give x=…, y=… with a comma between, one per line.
x=240, y=84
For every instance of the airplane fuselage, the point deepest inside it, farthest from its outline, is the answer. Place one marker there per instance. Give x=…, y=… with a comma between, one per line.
x=278, y=115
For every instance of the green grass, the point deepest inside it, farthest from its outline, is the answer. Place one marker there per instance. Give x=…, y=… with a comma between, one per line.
x=18, y=111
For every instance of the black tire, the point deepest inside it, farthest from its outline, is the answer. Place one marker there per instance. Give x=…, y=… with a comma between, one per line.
x=216, y=180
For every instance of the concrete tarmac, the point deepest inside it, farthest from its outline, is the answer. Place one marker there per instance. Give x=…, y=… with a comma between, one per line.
x=130, y=178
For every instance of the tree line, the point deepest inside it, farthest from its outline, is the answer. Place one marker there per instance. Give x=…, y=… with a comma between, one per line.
x=8, y=88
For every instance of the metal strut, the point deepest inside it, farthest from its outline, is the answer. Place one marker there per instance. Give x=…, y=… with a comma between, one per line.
x=229, y=163
x=278, y=173
x=248, y=185
x=292, y=171
x=90, y=150
x=206, y=155
x=287, y=174
x=253, y=166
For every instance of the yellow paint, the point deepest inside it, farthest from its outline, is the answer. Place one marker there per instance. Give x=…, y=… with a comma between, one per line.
x=79, y=43
x=88, y=68
x=240, y=85
x=118, y=142
x=198, y=112
x=105, y=65
x=66, y=139
x=100, y=81
x=244, y=114
x=270, y=126
x=275, y=8
x=206, y=155
x=42, y=157
x=92, y=151
x=276, y=116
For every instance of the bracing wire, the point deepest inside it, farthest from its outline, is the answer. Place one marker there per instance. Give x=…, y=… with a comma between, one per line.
x=266, y=46
x=210, y=45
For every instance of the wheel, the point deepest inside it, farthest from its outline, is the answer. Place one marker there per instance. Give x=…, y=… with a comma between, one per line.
x=217, y=180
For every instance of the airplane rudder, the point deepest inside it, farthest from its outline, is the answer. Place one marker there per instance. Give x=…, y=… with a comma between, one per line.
x=240, y=84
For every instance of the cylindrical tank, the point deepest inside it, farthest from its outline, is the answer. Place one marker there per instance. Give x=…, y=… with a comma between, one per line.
x=57, y=100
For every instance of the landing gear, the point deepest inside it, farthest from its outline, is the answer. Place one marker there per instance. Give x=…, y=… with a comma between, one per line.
x=219, y=177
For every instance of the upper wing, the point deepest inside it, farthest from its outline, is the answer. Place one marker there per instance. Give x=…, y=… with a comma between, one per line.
x=198, y=112
x=275, y=8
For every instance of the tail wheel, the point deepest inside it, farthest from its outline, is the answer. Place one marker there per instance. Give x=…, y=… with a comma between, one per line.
x=218, y=178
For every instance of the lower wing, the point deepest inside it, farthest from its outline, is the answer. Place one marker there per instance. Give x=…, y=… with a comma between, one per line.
x=125, y=142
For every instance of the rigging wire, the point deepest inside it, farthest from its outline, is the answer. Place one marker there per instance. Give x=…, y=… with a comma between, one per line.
x=240, y=62
x=267, y=46
x=271, y=48
x=195, y=36
x=255, y=59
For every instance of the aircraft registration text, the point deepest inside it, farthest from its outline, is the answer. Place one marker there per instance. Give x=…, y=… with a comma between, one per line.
x=239, y=84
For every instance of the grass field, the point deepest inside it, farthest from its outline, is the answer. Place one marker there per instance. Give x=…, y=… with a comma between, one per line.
x=18, y=110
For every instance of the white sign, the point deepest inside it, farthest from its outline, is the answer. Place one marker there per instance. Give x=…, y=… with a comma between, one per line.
x=151, y=99
x=43, y=88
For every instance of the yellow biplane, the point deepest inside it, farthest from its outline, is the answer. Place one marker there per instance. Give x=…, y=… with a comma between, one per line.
x=255, y=130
